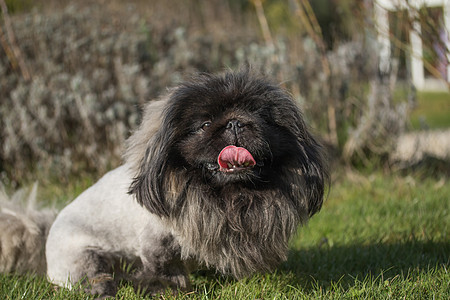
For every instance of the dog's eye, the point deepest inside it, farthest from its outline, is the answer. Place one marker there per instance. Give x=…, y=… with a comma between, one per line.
x=205, y=125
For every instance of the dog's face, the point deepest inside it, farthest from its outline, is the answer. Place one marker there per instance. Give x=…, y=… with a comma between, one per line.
x=239, y=133
x=226, y=145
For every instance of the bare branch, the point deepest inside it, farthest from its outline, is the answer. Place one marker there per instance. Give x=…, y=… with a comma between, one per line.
x=263, y=22
x=14, y=49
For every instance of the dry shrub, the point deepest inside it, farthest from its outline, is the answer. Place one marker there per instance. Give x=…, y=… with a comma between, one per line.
x=85, y=76
x=91, y=72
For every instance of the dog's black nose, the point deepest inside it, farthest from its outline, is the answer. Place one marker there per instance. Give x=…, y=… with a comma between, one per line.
x=235, y=125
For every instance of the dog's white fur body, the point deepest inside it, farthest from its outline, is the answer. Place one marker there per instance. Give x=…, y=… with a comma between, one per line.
x=105, y=218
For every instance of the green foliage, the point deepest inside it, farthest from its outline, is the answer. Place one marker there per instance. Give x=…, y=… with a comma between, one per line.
x=432, y=110
x=282, y=18
x=15, y=6
x=339, y=19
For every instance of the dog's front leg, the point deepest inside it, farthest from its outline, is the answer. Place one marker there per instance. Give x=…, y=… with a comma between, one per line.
x=162, y=264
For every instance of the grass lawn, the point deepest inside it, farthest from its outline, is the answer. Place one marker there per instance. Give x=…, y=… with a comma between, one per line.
x=379, y=237
x=432, y=111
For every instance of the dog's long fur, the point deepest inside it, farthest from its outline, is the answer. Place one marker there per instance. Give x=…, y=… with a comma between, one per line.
x=23, y=231
x=169, y=207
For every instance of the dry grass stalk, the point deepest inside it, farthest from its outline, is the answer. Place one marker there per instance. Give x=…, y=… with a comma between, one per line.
x=13, y=50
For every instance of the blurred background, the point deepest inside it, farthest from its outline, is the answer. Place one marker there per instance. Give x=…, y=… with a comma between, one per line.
x=371, y=76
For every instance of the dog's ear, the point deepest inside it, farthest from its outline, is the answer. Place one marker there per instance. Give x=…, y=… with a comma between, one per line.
x=310, y=163
x=148, y=185
x=314, y=171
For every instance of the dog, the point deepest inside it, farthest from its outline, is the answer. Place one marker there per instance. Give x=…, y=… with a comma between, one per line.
x=220, y=174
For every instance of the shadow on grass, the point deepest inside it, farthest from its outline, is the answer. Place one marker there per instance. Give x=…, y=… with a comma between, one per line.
x=323, y=266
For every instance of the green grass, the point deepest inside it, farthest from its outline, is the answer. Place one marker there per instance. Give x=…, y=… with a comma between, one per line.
x=380, y=237
x=433, y=110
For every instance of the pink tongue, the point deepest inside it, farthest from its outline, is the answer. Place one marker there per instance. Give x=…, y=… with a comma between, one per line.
x=232, y=156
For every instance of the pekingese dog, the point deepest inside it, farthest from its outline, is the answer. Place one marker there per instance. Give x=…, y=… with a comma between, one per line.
x=220, y=174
